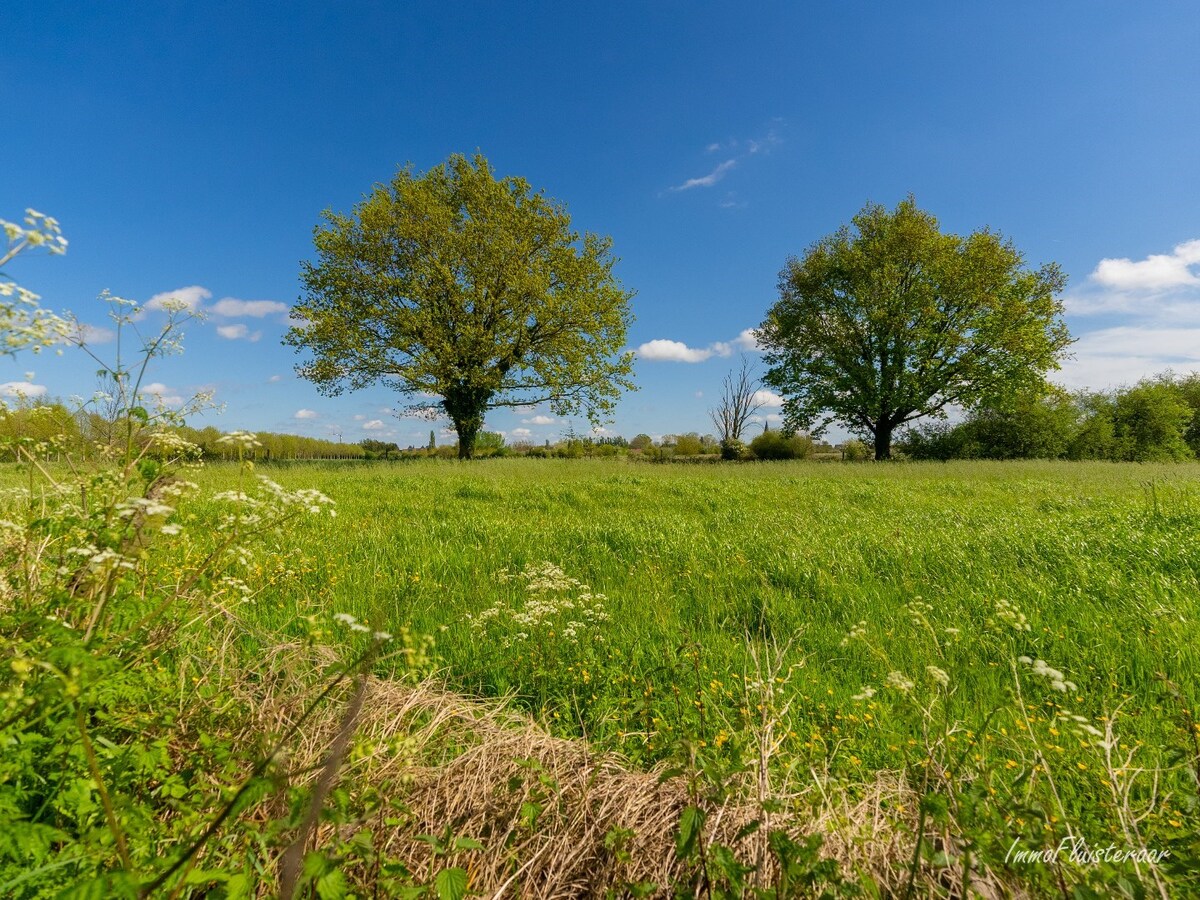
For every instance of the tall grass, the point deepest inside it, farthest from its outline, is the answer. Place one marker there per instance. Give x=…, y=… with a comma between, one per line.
x=980, y=656
x=927, y=565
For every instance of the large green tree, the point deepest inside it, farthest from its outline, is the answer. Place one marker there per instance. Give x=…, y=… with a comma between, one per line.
x=458, y=285
x=889, y=320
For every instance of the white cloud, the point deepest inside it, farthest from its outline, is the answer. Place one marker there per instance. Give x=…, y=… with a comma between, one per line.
x=92, y=334
x=165, y=395
x=699, y=393
x=306, y=414
x=707, y=180
x=538, y=420
x=1156, y=272
x=1158, y=302
x=231, y=307
x=22, y=389
x=374, y=425
x=232, y=332
x=764, y=397
x=275, y=379
x=521, y=432
x=191, y=297
x=747, y=340
x=359, y=417
x=676, y=351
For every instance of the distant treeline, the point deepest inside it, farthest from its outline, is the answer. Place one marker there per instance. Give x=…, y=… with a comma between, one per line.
x=1156, y=420
x=53, y=428
x=691, y=447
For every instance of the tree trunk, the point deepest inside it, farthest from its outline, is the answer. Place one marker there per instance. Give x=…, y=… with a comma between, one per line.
x=467, y=431
x=883, y=441
x=466, y=408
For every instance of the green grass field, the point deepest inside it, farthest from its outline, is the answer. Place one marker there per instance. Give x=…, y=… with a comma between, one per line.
x=966, y=568
x=924, y=666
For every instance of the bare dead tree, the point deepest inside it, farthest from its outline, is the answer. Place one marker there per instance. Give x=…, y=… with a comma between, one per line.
x=738, y=403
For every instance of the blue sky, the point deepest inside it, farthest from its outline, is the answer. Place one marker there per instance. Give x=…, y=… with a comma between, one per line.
x=193, y=146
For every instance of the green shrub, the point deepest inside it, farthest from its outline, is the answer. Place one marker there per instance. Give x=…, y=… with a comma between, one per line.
x=734, y=450
x=778, y=445
x=1150, y=422
x=859, y=451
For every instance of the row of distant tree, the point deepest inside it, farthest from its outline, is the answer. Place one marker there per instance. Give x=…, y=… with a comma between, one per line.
x=768, y=445
x=1155, y=420
x=56, y=428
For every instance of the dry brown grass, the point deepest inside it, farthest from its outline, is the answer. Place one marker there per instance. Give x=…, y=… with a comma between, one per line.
x=447, y=760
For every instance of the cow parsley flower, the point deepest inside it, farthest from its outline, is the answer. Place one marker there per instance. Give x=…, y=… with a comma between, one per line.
x=900, y=682
x=941, y=676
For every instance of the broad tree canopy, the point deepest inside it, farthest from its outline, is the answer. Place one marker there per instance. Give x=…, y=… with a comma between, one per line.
x=454, y=284
x=890, y=320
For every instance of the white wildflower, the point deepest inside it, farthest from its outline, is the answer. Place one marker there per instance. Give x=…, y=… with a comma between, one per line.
x=900, y=682
x=858, y=632
x=1008, y=613
x=242, y=440
x=1041, y=669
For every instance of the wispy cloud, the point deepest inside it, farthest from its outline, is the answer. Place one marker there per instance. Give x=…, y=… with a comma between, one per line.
x=737, y=150
x=306, y=414
x=707, y=180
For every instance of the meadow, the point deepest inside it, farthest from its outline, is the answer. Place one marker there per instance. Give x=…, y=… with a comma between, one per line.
x=602, y=678
x=994, y=627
